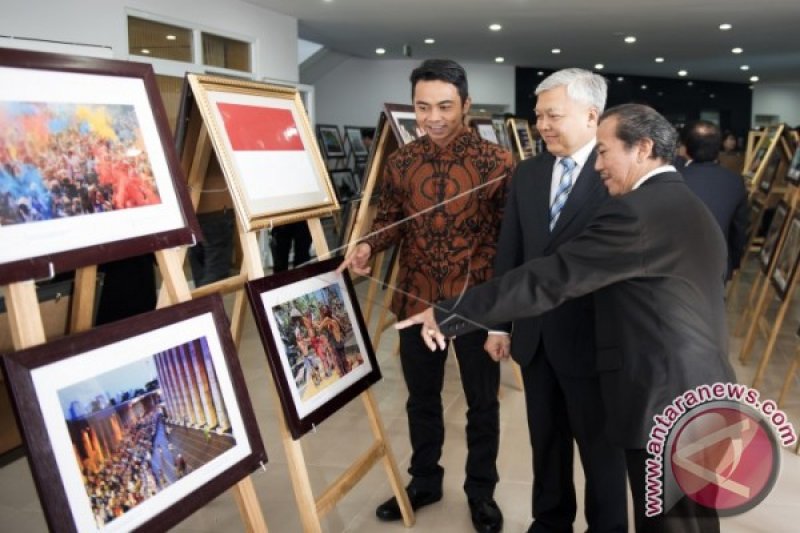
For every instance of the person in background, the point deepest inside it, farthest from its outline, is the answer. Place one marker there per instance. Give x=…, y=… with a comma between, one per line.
x=721, y=190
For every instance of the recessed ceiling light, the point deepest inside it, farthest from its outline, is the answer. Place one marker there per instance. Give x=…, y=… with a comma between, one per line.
x=737, y=50
x=630, y=39
x=556, y=50
x=499, y=59
x=712, y=95
x=430, y=41
x=145, y=51
x=753, y=78
x=540, y=73
x=171, y=37
x=744, y=67
x=689, y=83
x=659, y=60
x=682, y=73
x=380, y=51
x=725, y=26
x=643, y=87
x=599, y=66
x=660, y=93
x=495, y=27
x=620, y=78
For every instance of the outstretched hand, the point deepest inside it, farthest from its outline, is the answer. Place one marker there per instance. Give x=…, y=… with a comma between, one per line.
x=431, y=335
x=357, y=260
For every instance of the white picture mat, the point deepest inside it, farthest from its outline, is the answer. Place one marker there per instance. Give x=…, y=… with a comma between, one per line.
x=401, y=118
x=356, y=141
x=290, y=292
x=24, y=241
x=266, y=176
x=486, y=131
x=104, y=359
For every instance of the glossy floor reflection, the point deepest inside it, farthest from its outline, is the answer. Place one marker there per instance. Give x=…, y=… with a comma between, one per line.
x=345, y=436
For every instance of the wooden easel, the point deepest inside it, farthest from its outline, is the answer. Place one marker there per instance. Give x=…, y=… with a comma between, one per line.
x=27, y=330
x=757, y=322
x=523, y=150
x=790, y=375
x=762, y=201
x=197, y=151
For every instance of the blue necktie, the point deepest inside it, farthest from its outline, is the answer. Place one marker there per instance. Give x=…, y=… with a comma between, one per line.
x=564, y=186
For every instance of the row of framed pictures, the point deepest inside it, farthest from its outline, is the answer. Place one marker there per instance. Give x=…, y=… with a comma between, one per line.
x=334, y=146
x=137, y=424
x=783, y=255
x=775, y=144
x=91, y=175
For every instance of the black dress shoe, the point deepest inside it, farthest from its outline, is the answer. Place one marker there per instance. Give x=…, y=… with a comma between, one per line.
x=389, y=510
x=486, y=515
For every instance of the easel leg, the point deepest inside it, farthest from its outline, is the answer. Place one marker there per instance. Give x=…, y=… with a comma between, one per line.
x=747, y=344
x=388, y=459
x=83, y=294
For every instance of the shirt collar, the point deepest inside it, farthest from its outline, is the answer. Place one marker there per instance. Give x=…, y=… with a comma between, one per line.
x=659, y=170
x=581, y=154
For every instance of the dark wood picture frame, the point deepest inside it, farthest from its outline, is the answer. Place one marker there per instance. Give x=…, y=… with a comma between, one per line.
x=116, y=348
x=68, y=242
x=770, y=174
x=793, y=175
x=330, y=140
x=777, y=227
x=762, y=152
x=403, y=121
x=346, y=184
x=355, y=137
x=788, y=258
x=312, y=283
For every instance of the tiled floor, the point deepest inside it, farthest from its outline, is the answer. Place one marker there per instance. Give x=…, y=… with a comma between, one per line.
x=346, y=435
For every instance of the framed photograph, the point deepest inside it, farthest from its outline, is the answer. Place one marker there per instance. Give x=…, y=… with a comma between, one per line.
x=346, y=184
x=793, y=176
x=484, y=128
x=355, y=137
x=315, y=339
x=89, y=172
x=403, y=121
x=266, y=149
x=501, y=131
x=330, y=140
x=521, y=131
x=763, y=151
x=776, y=229
x=788, y=258
x=770, y=174
x=137, y=424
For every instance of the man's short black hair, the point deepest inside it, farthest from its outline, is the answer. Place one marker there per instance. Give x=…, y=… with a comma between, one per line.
x=702, y=139
x=636, y=122
x=445, y=70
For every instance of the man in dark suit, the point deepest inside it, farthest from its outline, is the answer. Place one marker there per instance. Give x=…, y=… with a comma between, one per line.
x=721, y=190
x=655, y=260
x=556, y=350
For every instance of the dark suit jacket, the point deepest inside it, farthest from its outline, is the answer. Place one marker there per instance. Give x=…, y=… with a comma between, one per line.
x=724, y=194
x=655, y=260
x=568, y=330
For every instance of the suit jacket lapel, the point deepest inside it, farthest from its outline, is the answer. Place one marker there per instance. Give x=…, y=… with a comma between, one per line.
x=587, y=180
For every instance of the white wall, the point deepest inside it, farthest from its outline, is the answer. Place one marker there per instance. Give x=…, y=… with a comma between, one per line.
x=353, y=93
x=778, y=99
x=104, y=23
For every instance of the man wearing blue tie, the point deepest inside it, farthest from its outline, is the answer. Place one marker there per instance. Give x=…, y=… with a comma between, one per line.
x=552, y=198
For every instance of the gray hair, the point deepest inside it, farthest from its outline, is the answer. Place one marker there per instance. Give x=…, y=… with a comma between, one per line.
x=636, y=122
x=582, y=86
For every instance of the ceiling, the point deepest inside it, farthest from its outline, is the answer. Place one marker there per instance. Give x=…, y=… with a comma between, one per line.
x=684, y=32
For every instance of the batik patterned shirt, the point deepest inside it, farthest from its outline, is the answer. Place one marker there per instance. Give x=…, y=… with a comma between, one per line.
x=444, y=207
